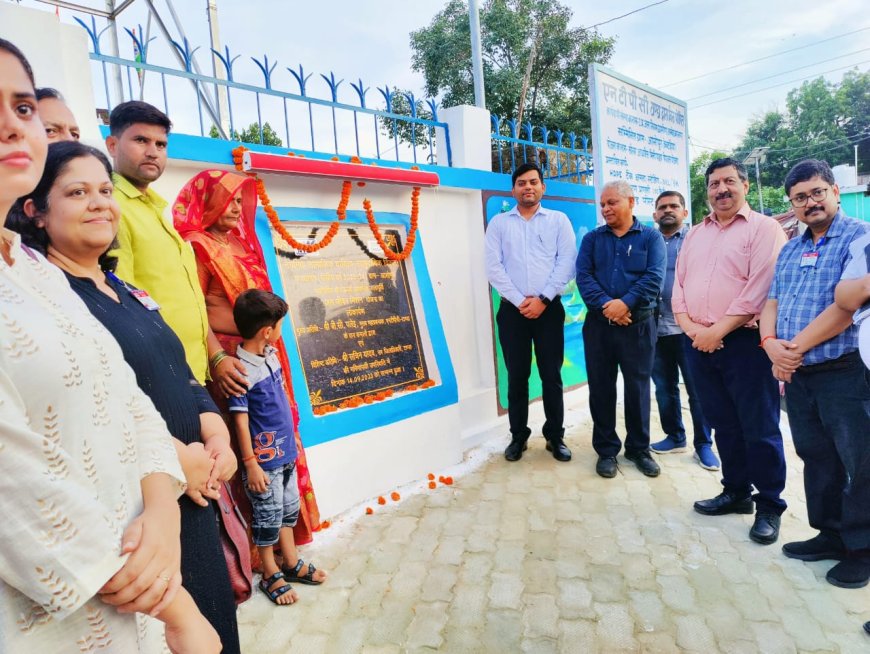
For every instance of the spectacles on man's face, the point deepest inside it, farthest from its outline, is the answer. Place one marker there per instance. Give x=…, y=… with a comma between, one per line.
x=801, y=199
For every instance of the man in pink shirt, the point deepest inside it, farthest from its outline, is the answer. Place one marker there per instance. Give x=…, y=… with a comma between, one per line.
x=723, y=274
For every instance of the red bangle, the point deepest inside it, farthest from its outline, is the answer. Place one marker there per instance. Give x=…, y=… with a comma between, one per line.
x=248, y=458
x=761, y=345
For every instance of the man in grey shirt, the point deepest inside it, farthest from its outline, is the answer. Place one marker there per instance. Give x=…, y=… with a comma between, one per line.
x=670, y=357
x=530, y=255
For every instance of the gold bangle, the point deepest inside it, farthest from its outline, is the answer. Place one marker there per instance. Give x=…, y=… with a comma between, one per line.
x=217, y=357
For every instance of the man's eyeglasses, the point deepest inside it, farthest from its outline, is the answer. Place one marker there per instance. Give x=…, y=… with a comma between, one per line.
x=801, y=199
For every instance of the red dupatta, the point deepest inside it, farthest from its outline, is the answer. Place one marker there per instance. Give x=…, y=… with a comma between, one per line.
x=202, y=201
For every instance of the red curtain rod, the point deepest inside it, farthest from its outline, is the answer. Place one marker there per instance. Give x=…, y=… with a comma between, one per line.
x=260, y=162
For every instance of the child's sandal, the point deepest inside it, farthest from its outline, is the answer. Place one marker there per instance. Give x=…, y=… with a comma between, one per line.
x=308, y=578
x=278, y=592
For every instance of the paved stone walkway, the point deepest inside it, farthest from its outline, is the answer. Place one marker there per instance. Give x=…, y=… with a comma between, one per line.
x=539, y=556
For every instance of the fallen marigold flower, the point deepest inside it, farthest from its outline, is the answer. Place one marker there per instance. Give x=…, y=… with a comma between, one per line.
x=395, y=496
x=448, y=481
x=381, y=500
x=325, y=524
x=441, y=478
x=430, y=476
x=369, y=510
x=432, y=484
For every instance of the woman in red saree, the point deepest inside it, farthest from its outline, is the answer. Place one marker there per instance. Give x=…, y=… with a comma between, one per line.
x=215, y=213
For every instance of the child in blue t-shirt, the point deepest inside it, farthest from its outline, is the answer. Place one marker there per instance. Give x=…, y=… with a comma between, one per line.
x=264, y=428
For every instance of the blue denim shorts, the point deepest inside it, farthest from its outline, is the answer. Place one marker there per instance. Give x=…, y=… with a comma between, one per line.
x=276, y=508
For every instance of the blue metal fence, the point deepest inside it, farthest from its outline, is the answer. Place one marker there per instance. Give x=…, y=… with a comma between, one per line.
x=566, y=164
x=316, y=124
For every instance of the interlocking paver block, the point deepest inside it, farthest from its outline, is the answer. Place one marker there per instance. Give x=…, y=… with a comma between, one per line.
x=502, y=630
x=577, y=635
x=506, y=589
x=425, y=629
x=651, y=614
x=541, y=617
x=615, y=628
x=543, y=556
x=439, y=583
x=575, y=599
x=693, y=634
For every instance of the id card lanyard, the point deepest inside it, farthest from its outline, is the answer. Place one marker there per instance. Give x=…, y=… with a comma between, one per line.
x=140, y=296
x=809, y=259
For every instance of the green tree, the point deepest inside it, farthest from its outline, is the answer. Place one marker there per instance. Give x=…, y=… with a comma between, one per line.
x=821, y=120
x=535, y=65
x=853, y=97
x=251, y=134
x=698, y=185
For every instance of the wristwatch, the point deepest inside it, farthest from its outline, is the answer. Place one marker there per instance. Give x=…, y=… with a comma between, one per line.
x=543, y=298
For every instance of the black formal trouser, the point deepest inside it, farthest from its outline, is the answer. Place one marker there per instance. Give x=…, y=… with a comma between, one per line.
x=829, y=413
x=517, y=334
x=609, y=348
x=740, y=399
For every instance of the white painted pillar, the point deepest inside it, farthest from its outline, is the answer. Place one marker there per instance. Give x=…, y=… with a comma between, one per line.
x=470, y=130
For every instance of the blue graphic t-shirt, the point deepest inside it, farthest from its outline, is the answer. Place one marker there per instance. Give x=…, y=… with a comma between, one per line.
x=269, y=418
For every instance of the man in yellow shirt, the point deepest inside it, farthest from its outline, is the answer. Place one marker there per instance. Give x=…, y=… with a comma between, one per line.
x=151, y=254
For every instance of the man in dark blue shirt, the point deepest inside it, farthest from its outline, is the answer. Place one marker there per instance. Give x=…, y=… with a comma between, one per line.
x=620, y=271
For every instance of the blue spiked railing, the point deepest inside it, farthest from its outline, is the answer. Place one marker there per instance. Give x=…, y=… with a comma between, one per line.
x=269, y=102
x=567, y=164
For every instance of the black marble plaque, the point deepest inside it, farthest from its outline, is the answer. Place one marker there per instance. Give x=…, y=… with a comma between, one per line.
x=352, y=314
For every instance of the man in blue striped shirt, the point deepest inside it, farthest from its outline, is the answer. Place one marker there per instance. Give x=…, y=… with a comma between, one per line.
x=813, y=347
x=529, y=260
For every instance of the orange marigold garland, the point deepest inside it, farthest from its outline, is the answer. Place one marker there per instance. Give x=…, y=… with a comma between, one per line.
x=412, y=233
x=266, y=203
x=341, y=212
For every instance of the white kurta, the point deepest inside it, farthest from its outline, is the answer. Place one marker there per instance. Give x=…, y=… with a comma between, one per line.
x=76, y=437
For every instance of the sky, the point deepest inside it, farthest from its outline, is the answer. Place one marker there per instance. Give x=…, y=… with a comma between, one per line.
x=661, y=46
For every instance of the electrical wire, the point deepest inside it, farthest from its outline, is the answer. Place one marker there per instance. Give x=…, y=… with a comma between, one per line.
x=773, y=86
x=791, y=70
x=838, y=143
x=610, y=20
x=770, y=56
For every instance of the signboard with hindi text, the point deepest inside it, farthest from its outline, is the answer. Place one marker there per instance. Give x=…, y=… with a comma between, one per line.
x=353, y=317
x=640, y=137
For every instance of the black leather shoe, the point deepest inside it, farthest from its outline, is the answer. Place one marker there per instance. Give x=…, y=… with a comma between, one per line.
x=514, y=450
x=644, y=462
x=606, y=466
x=765, y=529
x=823, y=547
x=850, y=573
x=559, y=449
x=725, y=503
x=867, y=627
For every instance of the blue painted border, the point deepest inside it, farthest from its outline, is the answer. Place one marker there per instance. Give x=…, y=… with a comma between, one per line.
x=321, y=429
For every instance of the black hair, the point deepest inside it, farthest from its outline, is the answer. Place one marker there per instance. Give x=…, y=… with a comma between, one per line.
x=523, y=169
x=12, y=49
x=724, y=162
x=667, y=194
x=255, y=309
x=130, y=113
x=60, y=155
x=807, y=170
x=46, y=92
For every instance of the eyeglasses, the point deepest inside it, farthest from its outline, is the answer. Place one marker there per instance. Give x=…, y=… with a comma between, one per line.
x=801, y=199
